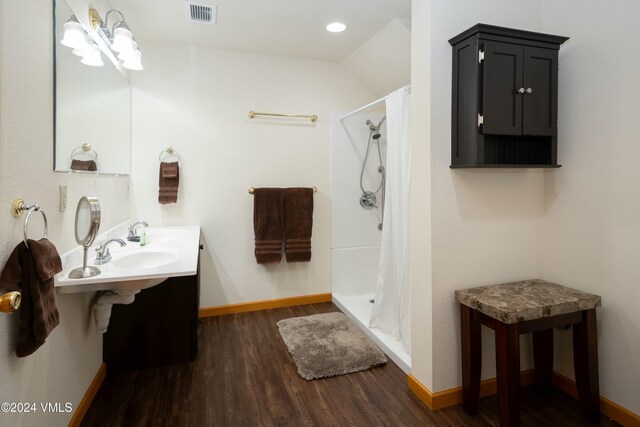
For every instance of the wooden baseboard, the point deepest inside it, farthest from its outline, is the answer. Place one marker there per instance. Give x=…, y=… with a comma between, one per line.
x=245, y=307
x=453, y=396
x=84, y=404
x=607, y=408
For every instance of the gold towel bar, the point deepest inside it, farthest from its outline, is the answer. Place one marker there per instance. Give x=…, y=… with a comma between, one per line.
x=312, y=117
x=251, y=189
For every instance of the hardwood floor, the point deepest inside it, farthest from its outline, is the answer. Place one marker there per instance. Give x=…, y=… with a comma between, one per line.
x=244, y=376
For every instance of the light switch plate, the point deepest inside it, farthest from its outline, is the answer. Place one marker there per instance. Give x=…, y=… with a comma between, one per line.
x=63, y=197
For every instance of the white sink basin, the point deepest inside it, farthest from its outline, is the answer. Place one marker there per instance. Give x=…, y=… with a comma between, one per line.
x=171, y=252
x=146, y=259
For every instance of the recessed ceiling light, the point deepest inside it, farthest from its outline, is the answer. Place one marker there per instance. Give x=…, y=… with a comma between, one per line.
x=336, y=27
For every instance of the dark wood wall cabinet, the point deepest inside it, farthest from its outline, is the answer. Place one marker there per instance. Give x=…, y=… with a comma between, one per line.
x=158, y=328
x=504, y=98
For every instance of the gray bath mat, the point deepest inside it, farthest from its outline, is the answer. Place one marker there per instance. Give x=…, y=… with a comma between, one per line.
x=329, y=344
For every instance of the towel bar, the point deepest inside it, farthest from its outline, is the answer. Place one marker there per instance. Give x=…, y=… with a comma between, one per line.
x=252, y=189
x=85, y=148
x=169, y=152
x=18, y=207
x=312, y=117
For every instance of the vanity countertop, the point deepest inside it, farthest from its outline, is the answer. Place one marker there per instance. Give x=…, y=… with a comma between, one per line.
x=169, y=252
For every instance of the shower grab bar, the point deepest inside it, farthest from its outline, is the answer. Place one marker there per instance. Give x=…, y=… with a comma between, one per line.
x=312, y=117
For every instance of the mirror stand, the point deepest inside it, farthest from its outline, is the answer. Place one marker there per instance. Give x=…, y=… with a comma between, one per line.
x=87, y=225
x=85, y=270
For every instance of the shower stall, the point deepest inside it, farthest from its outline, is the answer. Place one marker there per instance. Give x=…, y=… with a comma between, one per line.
x=363, y=244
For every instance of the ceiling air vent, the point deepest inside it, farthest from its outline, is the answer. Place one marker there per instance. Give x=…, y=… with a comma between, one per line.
x=201, y=13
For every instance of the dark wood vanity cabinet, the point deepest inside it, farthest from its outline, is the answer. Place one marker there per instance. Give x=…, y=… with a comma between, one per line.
x=159, y=328
x=504, y=98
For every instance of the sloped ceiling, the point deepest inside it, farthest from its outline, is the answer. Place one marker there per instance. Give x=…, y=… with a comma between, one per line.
x=277, y=27
x=383, y=63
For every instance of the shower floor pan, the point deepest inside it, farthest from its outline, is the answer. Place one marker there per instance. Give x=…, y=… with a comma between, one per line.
x=358, y=308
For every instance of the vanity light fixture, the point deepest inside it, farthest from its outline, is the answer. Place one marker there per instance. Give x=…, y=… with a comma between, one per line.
x=76, y=38
x=118, y=39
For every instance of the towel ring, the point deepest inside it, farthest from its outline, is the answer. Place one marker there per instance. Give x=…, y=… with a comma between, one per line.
x=169, y=152
x=87, y=149
x=32, y=209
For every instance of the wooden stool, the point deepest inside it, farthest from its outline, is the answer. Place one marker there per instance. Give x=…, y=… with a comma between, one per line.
x=535, y=306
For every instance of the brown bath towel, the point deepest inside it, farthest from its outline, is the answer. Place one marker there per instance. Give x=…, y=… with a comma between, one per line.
x=84, y=165
x=267, y=224
x=169, y=181
x=298, y=222
x=31, y=272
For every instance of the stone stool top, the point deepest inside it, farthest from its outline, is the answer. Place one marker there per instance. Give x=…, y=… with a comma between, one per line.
x=527, y=300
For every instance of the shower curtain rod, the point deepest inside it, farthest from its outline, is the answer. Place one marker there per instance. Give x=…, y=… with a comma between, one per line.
x=364, y=108
x=384, y=98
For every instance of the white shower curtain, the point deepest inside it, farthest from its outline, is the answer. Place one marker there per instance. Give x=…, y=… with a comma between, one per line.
x=391, y=309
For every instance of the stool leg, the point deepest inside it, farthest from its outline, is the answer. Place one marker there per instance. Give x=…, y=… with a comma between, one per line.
x=585, y=362
x=471, y=359
x=543, y=357
x=508, y=373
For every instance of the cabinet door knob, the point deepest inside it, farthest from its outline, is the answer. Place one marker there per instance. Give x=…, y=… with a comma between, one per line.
x=529, y=90
x=520, y=91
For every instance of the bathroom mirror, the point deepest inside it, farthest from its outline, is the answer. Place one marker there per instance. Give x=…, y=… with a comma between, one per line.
x=87, y=220
x=86, y=228
x=92, y=107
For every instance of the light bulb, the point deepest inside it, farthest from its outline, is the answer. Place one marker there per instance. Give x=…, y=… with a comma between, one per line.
x=134, y=62
x=122, y=39
x=125, y=55
x=74, y=35
x=92, y=56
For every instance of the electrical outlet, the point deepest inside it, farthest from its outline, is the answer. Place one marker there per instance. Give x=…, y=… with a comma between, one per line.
x=63, y=197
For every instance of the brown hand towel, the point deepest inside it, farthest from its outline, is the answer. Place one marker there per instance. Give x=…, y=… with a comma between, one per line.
x=298, y=222
x=267, y=224
x=169, y=181
x=84, y=165
x=31, y=272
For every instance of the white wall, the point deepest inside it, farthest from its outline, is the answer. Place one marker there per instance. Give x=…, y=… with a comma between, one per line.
x=592, y=227
x=577, y=225
x=355, y=238
x=197, y=100
x=420, y=215
x=383, y=62
x=486, y=225
x=62, y=369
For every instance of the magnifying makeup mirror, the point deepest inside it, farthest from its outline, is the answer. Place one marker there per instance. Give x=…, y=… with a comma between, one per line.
x=87, y=226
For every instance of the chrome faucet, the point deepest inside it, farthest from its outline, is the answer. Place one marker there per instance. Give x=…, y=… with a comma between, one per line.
x=103, y=255
x=133, y=234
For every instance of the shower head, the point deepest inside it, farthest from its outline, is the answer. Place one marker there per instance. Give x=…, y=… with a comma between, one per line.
x=375, y=130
